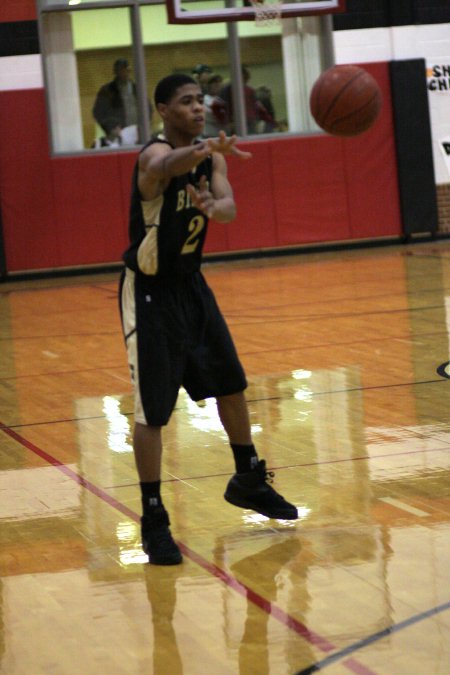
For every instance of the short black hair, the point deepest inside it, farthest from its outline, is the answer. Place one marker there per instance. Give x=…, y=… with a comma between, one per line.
x=167, y=87
x=201, y=68
x=119, y=64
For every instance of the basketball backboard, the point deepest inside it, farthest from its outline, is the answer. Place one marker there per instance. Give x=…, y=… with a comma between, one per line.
x=211, y=11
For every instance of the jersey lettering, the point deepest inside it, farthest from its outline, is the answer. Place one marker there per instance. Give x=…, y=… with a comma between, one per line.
x=184, y=200
x=195, y=228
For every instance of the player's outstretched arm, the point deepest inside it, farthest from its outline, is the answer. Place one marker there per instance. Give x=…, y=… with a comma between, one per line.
x=159, y=163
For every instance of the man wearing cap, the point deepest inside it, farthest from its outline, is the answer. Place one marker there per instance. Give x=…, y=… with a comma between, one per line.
x=116, y=102
x=201, y=74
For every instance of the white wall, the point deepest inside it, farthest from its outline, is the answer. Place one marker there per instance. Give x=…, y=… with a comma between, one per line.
x=21, y=72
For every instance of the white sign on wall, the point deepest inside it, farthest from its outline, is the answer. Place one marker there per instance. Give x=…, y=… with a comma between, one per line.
x=438, y=77
x=438, y=84
x=445, y=147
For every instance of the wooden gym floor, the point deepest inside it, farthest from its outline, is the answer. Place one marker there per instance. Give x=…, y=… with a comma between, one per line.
x=342, y=351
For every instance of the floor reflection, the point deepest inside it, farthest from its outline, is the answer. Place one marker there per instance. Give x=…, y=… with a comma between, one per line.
x=346, y=406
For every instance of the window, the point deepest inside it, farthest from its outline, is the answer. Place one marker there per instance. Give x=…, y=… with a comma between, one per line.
x=78, y=62
x=184, y=49
x=101, y=66
x=261, y=71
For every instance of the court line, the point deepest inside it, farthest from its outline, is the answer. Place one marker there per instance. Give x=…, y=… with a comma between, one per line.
x=228, y=473
x=398, y=504
x=295, y=466
x=261, y=399
x=265, y=605
x=63, y=283
x=251, y=320
x=329, y=660
x=310, y=347
x=51, y=336
x=349, y=298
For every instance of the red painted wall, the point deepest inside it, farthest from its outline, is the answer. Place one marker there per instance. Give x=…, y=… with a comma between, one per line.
x=17, y=10
x=68, y=211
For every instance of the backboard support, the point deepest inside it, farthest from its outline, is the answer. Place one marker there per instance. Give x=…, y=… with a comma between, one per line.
x=189, y=11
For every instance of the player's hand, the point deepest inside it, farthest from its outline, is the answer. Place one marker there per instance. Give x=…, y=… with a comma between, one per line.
x=226, y=145
x=202, y=198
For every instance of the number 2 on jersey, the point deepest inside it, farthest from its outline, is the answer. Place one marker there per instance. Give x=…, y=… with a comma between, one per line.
x=195, y=228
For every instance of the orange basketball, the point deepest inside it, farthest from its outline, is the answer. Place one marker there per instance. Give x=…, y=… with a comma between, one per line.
x=345, y=100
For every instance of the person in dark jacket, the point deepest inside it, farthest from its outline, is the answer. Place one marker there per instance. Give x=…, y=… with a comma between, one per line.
x=116, y=101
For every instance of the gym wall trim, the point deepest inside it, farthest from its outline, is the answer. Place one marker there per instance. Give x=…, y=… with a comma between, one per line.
x=2, y=249
x=413, y=141
x=384, y=13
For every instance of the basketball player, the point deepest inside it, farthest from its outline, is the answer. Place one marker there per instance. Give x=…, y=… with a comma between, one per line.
x=174, y=331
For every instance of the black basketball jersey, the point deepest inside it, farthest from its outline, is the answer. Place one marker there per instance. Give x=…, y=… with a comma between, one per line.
x=167, y=233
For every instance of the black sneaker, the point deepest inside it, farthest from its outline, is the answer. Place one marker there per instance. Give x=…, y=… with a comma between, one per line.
x=251, y=491
x=157, y=540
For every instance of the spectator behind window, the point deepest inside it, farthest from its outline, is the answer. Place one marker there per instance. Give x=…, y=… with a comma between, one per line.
x=215, y=109
x=116, y=104
x=201, y=74
x=254, y=109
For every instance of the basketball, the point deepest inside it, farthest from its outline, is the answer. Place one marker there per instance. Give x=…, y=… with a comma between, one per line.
x=345, y=100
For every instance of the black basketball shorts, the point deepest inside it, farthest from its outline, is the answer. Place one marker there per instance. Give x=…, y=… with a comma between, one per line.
x=176, y=336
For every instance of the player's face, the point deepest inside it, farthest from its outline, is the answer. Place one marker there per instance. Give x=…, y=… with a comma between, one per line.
x=185, y=112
